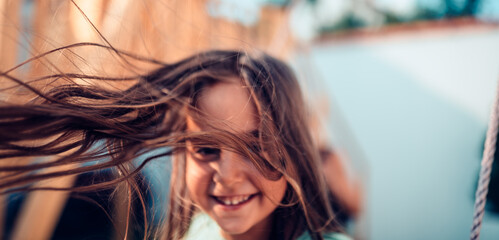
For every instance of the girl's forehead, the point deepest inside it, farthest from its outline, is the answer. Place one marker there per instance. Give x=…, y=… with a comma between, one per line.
x=229, y=103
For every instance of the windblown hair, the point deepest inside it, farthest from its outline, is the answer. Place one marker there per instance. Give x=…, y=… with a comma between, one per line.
x=92, y=128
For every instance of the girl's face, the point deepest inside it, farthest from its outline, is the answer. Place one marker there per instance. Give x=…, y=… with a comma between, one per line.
x=224, y=184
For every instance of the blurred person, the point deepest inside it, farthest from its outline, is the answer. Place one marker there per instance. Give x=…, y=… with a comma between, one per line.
x=346, y=193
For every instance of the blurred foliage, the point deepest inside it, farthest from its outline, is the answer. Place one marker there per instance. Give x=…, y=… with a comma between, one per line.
x=350, y=21
x=278, y=2
x=287, y=2
x=453, y=10
x=448, y=9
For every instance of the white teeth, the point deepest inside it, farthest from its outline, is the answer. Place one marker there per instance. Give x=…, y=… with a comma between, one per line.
x=233, y=200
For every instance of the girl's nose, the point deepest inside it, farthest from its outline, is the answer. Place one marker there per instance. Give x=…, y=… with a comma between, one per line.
x=229, y=169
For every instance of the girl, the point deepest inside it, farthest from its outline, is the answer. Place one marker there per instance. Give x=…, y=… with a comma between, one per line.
x=244, y=163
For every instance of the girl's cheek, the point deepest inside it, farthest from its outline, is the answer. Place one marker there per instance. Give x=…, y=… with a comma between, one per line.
x=274, y=190
x=197, y=179
x=196, y=170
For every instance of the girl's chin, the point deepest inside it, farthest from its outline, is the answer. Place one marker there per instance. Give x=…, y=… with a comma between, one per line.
x=232, y=229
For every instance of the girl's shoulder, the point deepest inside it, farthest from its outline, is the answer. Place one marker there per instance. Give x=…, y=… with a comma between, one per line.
x=203, y=227
x=326, y=236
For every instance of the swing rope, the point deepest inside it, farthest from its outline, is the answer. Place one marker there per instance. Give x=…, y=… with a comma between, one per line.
x=486, y=168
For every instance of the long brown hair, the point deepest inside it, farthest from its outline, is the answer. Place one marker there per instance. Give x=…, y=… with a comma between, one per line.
x=109, y=128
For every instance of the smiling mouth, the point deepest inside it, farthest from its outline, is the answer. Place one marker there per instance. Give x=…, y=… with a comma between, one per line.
x=233, y=200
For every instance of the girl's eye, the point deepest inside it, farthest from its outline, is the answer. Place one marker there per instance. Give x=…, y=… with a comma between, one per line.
x=208, y=151
x=206, y=154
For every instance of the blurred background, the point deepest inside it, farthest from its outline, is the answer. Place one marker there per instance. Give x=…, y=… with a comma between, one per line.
x=401, y=90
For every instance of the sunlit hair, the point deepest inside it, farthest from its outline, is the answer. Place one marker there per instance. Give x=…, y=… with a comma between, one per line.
x=115, y=127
